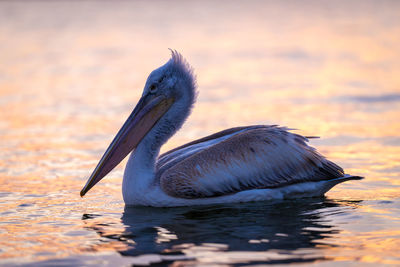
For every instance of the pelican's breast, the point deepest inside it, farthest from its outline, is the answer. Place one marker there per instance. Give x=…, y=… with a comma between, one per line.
x=241, y=159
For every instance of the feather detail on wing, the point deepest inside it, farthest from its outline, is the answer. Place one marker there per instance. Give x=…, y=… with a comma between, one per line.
x=240, y=159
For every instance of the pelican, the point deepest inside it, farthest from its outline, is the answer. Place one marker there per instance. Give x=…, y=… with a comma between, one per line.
x=241, y=164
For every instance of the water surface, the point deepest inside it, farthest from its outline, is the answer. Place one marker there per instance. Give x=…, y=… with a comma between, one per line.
x=71, y=72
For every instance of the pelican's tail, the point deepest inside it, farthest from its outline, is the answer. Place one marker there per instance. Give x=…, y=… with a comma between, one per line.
x=347, y=177
x=328, y=184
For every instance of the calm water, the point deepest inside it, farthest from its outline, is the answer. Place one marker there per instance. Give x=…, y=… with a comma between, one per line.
x=71, y=72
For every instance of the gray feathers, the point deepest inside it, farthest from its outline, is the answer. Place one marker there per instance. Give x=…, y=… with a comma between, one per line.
x=240, y=159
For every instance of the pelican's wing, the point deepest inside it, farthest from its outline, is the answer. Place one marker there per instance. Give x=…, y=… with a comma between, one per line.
x=174, y=156
x=240, y=159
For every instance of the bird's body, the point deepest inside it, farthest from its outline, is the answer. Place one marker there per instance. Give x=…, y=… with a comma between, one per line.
x=231, y=166
x=236, y=165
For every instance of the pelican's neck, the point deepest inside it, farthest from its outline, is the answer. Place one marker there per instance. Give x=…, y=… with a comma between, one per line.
x=139, y=175
x=140, y=170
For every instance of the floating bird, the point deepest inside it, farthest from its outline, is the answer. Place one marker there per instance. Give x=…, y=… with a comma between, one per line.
x=241, y=164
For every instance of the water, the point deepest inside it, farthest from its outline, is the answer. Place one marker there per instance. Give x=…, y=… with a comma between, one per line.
x=71, y=72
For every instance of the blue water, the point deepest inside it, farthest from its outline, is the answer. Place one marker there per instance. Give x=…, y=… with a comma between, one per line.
x=71, y=72
x=315, y=231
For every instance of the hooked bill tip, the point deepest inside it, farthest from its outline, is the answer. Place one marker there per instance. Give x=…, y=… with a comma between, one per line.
x=82, y=193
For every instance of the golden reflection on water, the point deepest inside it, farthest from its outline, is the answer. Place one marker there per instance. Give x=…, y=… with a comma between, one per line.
x=71, y=73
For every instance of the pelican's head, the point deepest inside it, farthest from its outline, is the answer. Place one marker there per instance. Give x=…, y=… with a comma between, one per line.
x=167, y=99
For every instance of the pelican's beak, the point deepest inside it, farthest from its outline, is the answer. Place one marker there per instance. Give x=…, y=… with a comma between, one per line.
x=142, y=119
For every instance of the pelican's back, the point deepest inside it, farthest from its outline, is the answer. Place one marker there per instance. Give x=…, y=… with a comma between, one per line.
x=240, y=159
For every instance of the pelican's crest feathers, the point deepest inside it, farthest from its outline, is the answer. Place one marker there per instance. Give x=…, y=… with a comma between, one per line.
x=184, y=67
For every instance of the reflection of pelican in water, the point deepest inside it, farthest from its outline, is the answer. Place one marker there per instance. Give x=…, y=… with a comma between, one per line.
x=289, y=231
x=236, y=165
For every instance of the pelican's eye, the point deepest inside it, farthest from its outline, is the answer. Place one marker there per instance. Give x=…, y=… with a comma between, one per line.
x=153, y=88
